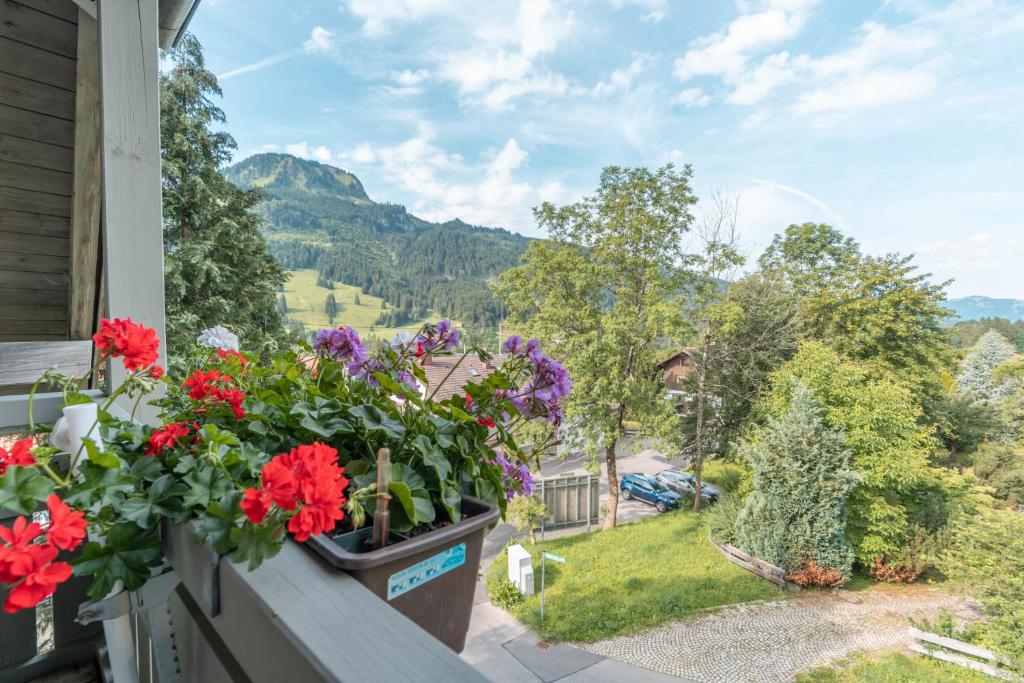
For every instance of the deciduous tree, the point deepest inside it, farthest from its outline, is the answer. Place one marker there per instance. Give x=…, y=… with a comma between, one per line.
x=605, y=293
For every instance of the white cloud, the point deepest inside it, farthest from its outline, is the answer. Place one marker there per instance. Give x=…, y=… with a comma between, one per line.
x=985, y=262
x=655, y=9
x=504, y=66
x=304, y=150
x=675, y=156
x=622, y=79
x=320, y=41
x=693, y=97
x=409, y=77
x=377, y=15
x=766, y=208
x=757, y=83
x=872, y=89
x=760, y=26
x=259, y=65
x=444, y=186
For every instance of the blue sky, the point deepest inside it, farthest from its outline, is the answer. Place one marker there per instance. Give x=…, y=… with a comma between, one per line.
x=898, y=121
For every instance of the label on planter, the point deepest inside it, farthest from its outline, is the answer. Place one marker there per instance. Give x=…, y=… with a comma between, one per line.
x=430, y=568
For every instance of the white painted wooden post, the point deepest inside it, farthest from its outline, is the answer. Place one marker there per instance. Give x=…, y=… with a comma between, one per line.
x=132, y=217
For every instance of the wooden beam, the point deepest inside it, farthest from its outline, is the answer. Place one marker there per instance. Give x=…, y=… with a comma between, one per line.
x=45, y=409
x=34, y=224
x=132, y=218
x=85, y=205
x=28, y=177
x=62, y=9
x=25, y=362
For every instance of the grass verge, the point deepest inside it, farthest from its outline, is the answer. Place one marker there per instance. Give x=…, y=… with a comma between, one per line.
x=631, y=579
x=893, y=668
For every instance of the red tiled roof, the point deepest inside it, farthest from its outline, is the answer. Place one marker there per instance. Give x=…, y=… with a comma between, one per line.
x=470, y=371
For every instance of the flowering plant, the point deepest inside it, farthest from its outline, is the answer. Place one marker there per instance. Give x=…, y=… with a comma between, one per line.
x=356, y=399
x=250, y=451
x=125, y=479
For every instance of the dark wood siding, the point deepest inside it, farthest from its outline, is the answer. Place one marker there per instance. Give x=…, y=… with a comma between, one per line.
x=38, y=52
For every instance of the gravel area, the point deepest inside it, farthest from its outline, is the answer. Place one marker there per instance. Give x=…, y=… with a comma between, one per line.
x=773, y=641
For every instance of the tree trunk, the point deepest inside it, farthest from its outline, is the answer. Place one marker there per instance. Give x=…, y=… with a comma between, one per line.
x=698, y=460
x=613, y=485
x=533, y=535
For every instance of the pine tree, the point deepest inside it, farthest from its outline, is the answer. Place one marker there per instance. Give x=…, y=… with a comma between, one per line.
x=216, y=266
x=355, y=300
x=331, y=308
x=976, y=378
x=802, y=478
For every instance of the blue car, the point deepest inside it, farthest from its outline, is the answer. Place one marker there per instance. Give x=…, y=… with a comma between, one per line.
x=646, y=488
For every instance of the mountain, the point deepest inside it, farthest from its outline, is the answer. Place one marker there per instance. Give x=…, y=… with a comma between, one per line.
x=318, y=216
x=978, y=307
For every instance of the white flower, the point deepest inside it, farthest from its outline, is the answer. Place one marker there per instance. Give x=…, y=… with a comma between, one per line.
x=218, y=337
x=402, y=339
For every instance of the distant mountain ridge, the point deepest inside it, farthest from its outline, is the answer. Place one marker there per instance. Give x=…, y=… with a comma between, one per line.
x=978, y=307
x=319, y=216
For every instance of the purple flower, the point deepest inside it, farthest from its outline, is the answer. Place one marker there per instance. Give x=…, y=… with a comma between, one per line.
x=516, y=479
x=342, y=344
x=512, y=344
x=442, y=336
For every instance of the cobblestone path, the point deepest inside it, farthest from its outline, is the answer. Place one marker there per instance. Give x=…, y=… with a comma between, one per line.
x=772, y=641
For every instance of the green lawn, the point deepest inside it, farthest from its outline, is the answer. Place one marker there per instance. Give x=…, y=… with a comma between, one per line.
x=633, y=578
x=306, y=304
x=893, y=668
x=720, y=473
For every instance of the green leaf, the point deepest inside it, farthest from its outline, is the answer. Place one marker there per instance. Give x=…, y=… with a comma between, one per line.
x=100, y=486
x=401, y=492
x=163, y=499
x=21, y=488
x=424, y=508
x=255, y=543
x=375, y=420
x=390, y=385
x=404, y=473
x=185, y=463
x=357, y=467
x=452, y=502
x=101, y=458
x=218, y=521
x=435, y=459
x=204, y=485
x=127, y=554
x=147, y=468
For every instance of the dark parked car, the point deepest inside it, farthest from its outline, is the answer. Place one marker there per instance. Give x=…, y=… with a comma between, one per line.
x=648, y=489
x=684, y=483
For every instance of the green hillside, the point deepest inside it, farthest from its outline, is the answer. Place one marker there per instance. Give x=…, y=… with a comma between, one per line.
x=319, y=218
x=306, y=299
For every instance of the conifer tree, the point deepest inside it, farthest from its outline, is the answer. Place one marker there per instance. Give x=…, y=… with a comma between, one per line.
x=331, y=308
x=802, y=478
x=976, y=378
x=216, y=266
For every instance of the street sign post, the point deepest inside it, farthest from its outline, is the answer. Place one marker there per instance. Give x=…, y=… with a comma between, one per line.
x=543, y=557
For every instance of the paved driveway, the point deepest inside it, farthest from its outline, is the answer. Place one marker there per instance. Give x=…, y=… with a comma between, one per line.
x=771, y=642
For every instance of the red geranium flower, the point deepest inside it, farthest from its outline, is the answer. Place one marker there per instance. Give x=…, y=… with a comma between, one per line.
x=486, y=422
x=40, y=581
x=16, y=553
x=133, y=342
x=168, y=436
x=67, y=526
x=156, y=372
x=217, y=387
x=18, y=455
x=307, y=478
x=226, y=354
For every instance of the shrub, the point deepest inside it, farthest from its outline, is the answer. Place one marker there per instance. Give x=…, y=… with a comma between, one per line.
x=802, y=477
x=909, y=563
x=810, y=574
x=527, y=513
x=503, y=593
x=720, y=519
x=985, y=558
